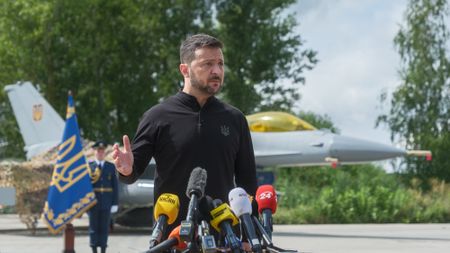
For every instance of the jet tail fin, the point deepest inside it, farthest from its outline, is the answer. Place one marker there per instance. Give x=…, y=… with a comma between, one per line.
x=40, y=125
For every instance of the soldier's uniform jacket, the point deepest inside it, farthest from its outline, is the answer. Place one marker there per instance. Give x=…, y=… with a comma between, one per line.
x=104, y=182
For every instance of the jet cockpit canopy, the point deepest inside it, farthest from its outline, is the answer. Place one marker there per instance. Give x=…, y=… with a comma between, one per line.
x=277, y=122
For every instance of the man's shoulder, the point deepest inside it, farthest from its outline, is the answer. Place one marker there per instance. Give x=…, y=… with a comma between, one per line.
x=109, y=164
x=230, y=108
x=159, y=109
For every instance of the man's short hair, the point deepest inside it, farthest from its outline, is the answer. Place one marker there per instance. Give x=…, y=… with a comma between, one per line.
x=188, y=47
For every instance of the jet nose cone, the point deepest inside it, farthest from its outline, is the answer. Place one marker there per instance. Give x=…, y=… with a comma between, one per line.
x=349, y=149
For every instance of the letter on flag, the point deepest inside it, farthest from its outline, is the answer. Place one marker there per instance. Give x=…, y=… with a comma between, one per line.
x=70, y=193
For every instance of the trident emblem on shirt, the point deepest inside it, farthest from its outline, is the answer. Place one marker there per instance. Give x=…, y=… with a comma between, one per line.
x=225, y=130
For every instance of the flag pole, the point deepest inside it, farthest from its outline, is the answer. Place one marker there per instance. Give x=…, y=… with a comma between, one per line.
x=69, y=230
x=69, y=238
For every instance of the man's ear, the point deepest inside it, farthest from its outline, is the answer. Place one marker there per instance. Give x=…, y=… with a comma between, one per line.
x=184, y=69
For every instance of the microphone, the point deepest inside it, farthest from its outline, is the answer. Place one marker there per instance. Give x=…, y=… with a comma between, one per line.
x=242, y=207
x=165, y=213
x=267, y=205
x=195, y=191
x=222, y=220
x=207, y=241
x=172, y=241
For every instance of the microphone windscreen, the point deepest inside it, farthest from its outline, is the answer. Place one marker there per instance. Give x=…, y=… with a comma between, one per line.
x=239, y=201
x=167, y=204
x=205, y=205
x=197, y=182
x=176, y=234
x=266, y=198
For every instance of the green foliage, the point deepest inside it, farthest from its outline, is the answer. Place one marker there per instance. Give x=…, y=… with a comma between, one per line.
x=260, y=52
x=319, y=121
x=420, y=106
x=10, y=140
x=8, y=210
x=356, y=194
x=120, y=57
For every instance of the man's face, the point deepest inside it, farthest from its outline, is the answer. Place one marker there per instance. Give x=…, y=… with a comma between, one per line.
x=100, y=154
x=206, y=71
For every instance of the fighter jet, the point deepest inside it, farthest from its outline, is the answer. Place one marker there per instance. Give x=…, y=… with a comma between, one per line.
x=279, y=139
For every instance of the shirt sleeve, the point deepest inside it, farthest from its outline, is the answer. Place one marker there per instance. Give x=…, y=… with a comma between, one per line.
x=142, y=147
x=245, y=168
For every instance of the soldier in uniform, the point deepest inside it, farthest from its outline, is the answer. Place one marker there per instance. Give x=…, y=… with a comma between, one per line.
x=104, y=182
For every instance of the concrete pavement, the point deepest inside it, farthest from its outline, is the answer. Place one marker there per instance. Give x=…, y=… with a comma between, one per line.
x=411, y=238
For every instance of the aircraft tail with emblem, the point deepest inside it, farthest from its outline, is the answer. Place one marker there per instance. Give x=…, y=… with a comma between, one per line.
x=40, y=125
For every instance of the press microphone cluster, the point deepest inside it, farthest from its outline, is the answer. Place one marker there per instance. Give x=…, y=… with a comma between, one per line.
x=193, y=235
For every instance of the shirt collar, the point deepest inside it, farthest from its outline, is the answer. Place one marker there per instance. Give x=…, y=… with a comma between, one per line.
x=100, y=162
x=191, y=101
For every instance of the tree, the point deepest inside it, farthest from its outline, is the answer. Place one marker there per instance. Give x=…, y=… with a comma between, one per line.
x=120, y=57
x=11, y=144
x=319, y=121
x=261, y=51
x=14, y=67
x=420, y=106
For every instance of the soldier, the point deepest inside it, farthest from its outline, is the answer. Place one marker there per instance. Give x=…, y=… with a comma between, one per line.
x=104, y=182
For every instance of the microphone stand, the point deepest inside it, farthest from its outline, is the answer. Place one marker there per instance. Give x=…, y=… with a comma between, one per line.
x=267, y=241
x=187, y=229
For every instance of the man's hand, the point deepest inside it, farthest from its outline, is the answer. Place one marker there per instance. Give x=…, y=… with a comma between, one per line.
x=114, y=209
x=123, y=160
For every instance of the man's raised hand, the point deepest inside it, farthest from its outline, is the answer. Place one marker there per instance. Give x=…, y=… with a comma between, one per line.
x=123, y=160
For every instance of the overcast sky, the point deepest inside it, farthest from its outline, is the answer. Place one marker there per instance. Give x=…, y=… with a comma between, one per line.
x=357, y=61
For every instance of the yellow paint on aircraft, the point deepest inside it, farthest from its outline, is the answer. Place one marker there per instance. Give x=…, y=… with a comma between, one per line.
x=277, y=122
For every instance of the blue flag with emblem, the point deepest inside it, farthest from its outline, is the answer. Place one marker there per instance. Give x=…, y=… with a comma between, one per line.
x=70, y=193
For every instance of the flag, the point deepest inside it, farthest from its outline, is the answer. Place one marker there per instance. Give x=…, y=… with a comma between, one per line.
x=70, y=193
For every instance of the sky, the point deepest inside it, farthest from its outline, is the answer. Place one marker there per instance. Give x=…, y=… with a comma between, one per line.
x=357, y=61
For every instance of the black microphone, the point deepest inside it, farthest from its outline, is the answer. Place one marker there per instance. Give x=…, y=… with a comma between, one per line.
x=242, y=207
x=195, y=191
x=173, y=241
x=262, y=232
x=163, y=246
x=222, y=220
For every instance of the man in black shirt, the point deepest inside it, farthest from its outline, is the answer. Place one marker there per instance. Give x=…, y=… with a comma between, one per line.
x=193, y=128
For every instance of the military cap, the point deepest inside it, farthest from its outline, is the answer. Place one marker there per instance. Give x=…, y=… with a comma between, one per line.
x=99, y=144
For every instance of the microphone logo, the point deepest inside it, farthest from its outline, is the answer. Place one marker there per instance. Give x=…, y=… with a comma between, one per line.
x=168, y=198
x=266, y=195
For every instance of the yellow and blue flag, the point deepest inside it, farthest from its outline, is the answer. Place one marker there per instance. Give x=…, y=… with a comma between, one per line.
x=70, y=193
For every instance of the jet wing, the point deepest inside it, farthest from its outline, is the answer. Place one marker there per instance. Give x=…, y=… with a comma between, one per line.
x=268, y=153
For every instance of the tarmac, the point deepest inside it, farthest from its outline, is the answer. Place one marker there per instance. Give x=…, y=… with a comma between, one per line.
x=349, y=238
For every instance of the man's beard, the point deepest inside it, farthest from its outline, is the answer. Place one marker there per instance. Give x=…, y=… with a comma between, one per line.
x=204, y=87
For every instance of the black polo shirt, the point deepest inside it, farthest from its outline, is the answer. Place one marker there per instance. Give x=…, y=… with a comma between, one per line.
x=181, y=135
